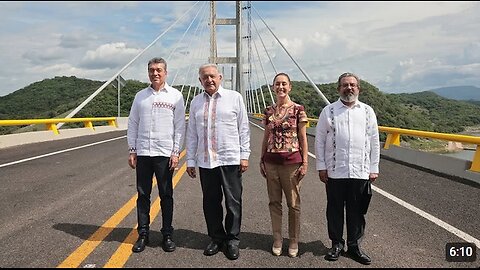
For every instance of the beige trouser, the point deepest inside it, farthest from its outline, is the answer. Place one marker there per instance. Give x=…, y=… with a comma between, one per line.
x=282, y=178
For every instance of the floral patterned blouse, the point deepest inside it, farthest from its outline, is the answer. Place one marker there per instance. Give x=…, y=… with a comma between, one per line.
x=282, y=125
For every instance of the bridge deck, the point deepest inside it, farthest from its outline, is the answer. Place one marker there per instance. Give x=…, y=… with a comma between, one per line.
x=53, y=206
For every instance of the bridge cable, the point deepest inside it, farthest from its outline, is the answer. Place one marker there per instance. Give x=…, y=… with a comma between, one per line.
x=183, y=36
x=256, y=82
x=193, y=55
x=258, y=88
x=264, y=47
x=86, y=101
x=264, y=75
x=190, y=67
x=202, y=9
x=303, y=72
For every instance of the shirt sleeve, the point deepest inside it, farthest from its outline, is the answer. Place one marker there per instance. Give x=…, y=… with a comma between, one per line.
x=320, y=140
x=265, y=117
x=179, y=126
x=301, y=114
x=374, y=143
x=132, y=129
x=243, y=130
x=192, y=136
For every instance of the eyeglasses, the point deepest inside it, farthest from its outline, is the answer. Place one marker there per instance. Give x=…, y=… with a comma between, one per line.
x=353, y=85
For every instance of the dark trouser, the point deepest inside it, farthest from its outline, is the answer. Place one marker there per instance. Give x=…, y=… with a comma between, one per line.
x=216, y=182
x=349, y=193
x=146, y=167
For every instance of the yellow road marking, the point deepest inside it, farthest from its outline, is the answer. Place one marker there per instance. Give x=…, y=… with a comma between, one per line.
x=124, y=251
x=87, y=247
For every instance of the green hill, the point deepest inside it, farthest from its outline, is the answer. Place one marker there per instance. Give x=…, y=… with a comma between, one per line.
x=56, y=97
x=447, y=115
x=389, y=113
x=459, y=92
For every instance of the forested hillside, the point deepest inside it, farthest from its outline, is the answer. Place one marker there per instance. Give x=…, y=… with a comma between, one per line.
x=446, y=115
x=424, y=110
x=56, y=97
x=389, y=113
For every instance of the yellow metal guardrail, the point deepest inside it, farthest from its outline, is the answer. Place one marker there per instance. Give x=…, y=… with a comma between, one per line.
x=393, y=138
x=52, y=123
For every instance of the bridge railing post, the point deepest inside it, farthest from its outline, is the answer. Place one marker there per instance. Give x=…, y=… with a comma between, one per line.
x=112, y=123
x=52, y=127
x=392, y=138
x=88, y=124
x=476, y=161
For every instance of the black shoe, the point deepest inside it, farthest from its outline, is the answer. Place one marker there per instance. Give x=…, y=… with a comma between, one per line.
x=168, y=245
x=232, y=251
x=212, y=248
x=140, y=244
x=334, y=253
x=359, y=256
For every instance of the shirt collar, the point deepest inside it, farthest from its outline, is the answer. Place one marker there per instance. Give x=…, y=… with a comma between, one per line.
x=356, y=104
x=220, y=92
x=165, y=88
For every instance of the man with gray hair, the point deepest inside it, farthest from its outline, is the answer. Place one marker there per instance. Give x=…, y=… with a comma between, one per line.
x=218, y=142
x=347, y=149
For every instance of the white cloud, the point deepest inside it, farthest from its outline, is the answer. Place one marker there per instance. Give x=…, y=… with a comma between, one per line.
x=371, y=38
x=111, y=55
x=79, y=39
x=397, y=46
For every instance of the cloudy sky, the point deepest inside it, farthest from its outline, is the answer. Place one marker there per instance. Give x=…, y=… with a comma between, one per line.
x=396, y=46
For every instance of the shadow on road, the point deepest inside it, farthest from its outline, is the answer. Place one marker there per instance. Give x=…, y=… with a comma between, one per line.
x=185, y=238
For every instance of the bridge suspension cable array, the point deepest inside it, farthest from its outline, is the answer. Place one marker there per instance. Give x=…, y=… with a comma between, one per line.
x=195, y=51
x=86, y=101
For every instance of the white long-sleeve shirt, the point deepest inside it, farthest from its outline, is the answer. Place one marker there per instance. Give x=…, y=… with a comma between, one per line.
x=346, y=142
x=156, y=124
x=218, y=132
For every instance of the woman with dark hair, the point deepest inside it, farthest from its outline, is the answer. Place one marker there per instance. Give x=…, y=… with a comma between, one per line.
x=284, y=161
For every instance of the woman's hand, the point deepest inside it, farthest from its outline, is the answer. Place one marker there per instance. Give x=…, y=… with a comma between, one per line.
x=302, y=171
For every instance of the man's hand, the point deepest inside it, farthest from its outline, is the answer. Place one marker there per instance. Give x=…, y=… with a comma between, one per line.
x=243, y=165
x=132, y=160
x=323, y=175
x=373, y=177
x=173, y=163
x=191, y=172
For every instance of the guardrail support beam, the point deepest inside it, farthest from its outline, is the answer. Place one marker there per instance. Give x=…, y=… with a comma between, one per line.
x=392, y=138
x=112, y=123
x=88, y=124
x=53, y=127
x=476, y=161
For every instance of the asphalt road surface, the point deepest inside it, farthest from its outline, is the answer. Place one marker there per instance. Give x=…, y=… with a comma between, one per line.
x=76, y=208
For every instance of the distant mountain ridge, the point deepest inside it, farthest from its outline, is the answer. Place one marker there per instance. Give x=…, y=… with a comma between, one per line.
x=57, y=96
x=467, y=92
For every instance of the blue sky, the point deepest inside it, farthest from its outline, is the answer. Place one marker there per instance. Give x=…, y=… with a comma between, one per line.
x=397, y=46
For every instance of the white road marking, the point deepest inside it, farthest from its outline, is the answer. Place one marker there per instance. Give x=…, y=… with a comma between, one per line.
x=420, y=212
x=59, y=152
